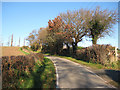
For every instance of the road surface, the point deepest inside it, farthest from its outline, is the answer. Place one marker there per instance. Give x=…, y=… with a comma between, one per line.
x=72, y=75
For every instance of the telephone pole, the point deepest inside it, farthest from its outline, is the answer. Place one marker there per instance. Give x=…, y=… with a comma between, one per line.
x=12, y=40
x=19, y=41
x=8, y=40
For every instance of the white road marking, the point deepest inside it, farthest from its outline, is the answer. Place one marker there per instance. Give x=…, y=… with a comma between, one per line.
x=78, y=66
x=57, y=84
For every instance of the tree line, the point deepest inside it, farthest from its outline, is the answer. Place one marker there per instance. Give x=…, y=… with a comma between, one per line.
x=69, y=28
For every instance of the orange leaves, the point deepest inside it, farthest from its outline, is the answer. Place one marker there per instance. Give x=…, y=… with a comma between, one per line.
x=66, y=27
x=50, y=29
x=59, y=29
x=55, y=25
x=59, y=33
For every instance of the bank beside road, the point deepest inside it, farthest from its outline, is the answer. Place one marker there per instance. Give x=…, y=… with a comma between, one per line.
x=26, y=70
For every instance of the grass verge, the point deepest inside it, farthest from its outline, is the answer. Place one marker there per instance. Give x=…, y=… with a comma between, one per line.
x=89, y=64
x=113, y=66
x=37, y=51
x=92, y=65
x=20, y=49
x=42, y=76
x=28, y=49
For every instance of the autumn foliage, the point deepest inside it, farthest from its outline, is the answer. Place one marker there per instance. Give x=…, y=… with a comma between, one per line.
x=56, y=27
x=69, y=28
x=55, y=35
x=59, y=33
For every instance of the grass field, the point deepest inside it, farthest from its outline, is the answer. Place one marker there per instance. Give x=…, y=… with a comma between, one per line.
x=11, y=51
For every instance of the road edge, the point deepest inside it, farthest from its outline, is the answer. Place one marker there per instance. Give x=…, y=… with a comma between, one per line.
x=87, y=68
x=57, y=83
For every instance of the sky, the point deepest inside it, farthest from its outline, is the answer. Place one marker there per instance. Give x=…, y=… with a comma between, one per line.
x=20, y=18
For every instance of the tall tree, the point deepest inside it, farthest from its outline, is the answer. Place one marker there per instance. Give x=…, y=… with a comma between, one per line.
x=31, y=38
x=56, y=34
x=76, y=22
x=101, y=23
x=33, y=41
x=42, y=36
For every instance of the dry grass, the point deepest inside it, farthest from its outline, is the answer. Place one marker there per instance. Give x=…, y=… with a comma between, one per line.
x=11, y=51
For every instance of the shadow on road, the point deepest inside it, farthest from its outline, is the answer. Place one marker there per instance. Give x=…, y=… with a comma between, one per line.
x=113, y=74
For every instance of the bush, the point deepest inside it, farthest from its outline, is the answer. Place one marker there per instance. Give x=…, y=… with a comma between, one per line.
x=35, y=47
x=13, y=67
x=79, y=48
x=25, y=47
x=45, y=49
x=118, y=63
x=97, y=54
x=65, y=52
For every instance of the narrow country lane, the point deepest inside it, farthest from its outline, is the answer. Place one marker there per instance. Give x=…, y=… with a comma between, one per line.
x=73, y=75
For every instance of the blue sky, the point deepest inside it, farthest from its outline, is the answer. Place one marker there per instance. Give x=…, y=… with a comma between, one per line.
x=20, y=18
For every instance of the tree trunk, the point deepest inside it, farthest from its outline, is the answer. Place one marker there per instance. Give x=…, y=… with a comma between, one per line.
x=68, y=49
x=74, y=46
x=94, y=40
x=59, y=46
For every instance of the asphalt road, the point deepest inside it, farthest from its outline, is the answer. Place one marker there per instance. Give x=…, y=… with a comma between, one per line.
x=72, y=75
